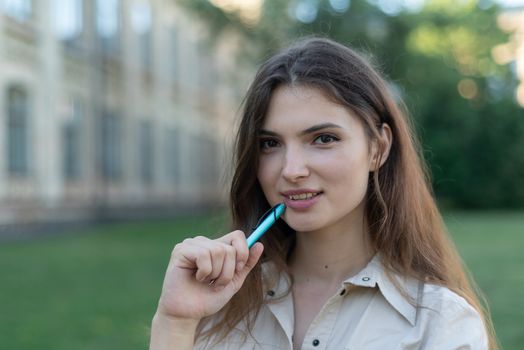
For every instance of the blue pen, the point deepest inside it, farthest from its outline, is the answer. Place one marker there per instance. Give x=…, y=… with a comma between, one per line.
x=271, y=218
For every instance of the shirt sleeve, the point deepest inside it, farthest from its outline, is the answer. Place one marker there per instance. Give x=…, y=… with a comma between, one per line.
x=458, y=327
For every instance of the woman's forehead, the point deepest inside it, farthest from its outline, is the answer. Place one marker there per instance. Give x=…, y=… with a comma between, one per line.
x=295, y=106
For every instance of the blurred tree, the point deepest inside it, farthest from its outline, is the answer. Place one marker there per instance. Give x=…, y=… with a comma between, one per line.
x=437, y=57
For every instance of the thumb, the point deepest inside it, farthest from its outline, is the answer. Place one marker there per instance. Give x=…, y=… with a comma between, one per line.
x=254, y=255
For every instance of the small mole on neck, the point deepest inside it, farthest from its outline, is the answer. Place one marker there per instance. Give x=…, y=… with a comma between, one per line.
x=325, y=266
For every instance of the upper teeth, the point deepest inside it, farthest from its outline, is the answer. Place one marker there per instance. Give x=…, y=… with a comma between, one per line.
x=302, y=196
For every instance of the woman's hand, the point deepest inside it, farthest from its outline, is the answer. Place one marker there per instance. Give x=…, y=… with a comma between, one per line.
x=204, y=274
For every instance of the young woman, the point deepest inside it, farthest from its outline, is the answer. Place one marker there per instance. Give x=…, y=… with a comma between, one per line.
x=361, y=259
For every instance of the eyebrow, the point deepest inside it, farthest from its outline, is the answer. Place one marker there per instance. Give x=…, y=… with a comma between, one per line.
x=310, y=130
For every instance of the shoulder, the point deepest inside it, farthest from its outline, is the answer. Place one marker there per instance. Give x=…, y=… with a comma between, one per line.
x=449, y=321
x=442, y=302
x=439, y=317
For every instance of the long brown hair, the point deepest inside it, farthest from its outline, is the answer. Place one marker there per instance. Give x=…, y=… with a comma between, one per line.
x=405, y=225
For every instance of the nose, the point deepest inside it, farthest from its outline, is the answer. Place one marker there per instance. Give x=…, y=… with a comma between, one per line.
x=295, y=165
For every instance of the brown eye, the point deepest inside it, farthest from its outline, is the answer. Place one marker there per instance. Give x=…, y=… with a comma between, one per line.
x=268, y=143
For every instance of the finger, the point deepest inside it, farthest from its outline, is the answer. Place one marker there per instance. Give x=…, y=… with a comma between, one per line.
x=189, y=255
x=228, y=268
x=217, y=252
x=238, y=240
x=254, y=256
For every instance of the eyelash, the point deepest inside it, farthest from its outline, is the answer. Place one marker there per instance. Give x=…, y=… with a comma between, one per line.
x=332, y=138
x=266, y=144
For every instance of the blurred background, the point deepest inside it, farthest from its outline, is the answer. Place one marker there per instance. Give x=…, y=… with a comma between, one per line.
x=117, y=117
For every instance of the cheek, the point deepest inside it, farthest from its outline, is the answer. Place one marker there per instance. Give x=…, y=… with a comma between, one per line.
x=348, y=173
x=266, y=174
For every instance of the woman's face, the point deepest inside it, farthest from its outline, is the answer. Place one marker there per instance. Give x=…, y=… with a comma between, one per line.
x=314, y=157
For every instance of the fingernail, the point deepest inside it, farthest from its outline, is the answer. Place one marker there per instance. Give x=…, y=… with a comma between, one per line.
x=240, y=266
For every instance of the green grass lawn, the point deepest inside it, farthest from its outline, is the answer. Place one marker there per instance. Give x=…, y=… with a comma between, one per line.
x=492, y=246
x=99, y=289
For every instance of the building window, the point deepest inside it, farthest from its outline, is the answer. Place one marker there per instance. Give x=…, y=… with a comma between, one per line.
x=208, y=167
x=172, y=153
x=141, y=21
x=108, y=25
x=72, y=141
x=207, y=76
x=194, y=69
x=17, y=131
x=68, y=19
x=204, y=162
x=111, y=146
x=21, y=10
x=146, y=151
x=174, y=60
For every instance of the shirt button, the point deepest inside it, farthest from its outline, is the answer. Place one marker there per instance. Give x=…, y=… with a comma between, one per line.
x=271, y=293
x=365, y=279
x=316, y=342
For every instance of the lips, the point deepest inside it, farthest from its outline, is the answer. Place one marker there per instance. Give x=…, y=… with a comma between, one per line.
x=301, y=199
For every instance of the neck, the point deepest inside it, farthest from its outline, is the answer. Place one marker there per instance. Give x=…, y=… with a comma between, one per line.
x=331, y=255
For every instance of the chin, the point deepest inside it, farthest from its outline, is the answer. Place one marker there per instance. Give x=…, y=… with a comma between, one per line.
x=302, y=225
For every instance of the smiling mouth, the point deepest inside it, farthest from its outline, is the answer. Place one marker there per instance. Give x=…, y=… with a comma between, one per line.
x=303, y=196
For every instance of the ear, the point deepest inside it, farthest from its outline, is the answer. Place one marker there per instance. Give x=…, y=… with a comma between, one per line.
x=380, y=148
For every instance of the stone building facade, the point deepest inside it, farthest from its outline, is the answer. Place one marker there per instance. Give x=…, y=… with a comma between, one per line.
x=111, y=107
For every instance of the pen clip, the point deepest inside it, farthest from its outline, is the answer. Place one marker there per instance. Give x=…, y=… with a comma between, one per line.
x=266, y=214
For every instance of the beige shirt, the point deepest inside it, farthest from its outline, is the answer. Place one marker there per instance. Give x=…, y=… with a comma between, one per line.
x=368, y=312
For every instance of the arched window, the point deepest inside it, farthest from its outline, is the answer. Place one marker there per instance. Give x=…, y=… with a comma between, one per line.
x=146, y=151
x=72, y=141
x=21, y=10
x=141, y=22
x=107, y=17
x=17, y=131
x=111, y=134
x=173, y=154
x=68, y=19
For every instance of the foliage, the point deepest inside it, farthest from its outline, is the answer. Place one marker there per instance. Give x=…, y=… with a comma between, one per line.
x=438, y=57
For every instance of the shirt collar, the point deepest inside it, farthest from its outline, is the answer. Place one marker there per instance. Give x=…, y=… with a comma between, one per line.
x=276, y=286
x=374, y=274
